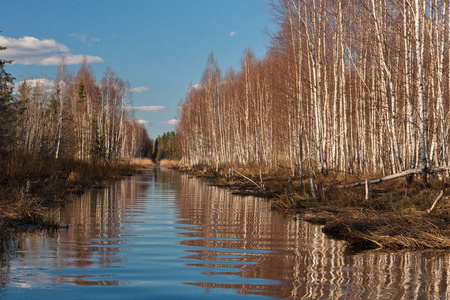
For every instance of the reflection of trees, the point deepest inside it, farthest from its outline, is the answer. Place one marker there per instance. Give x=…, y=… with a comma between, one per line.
x=97, y=221
x=240, y=238
x=235, y=243
x=101, y=217
x=6, y=251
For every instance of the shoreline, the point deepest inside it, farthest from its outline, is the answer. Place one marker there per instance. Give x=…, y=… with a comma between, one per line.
x=394, y=217
x=36, y=187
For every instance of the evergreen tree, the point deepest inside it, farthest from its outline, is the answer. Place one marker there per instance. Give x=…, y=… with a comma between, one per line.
x=165, y=147
x=7, y=111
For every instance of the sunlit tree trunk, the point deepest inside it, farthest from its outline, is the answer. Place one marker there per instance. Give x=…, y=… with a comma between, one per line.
x=419, y=25
x=61, y=95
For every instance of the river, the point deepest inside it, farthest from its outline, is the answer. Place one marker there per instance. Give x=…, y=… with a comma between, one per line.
x=165, y=235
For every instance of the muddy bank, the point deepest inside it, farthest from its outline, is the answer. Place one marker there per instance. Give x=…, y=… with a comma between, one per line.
x=392, y=215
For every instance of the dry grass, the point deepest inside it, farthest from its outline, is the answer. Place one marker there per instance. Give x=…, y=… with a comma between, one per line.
x=415, y=231
x=141, y=163
x=171, y=164
x=286, y=202
x=129, y=166
x=50, y=183
x=20, y=210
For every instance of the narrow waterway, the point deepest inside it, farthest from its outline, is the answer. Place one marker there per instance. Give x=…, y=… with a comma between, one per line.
x=166, y=235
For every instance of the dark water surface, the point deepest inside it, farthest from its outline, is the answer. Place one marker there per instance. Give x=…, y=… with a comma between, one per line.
x=165, y=235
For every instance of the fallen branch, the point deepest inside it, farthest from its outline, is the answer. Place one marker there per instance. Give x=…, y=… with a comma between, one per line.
x=367, y=190
x=380, y=246
x=387, y=178
x=313, y=192
x=441, y=194
x=248, y=179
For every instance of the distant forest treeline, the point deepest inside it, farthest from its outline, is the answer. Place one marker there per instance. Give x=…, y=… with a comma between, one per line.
x=164, y=147
x=73, y=116
x=358, y=86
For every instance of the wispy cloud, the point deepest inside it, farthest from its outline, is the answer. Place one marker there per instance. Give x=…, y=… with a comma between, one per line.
x=81, y=37
x=29, y=50
x=233, y=33
x=147, y=108
x=171, y=122
x=139, y=89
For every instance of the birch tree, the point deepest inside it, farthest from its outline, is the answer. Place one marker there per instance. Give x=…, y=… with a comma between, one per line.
x=363, y=83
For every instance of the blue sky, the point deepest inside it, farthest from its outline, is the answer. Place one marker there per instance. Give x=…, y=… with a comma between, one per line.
x=160, y=46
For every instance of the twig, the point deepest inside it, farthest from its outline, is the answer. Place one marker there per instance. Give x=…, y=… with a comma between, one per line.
x=380, y=246
x=441, y=194
x=247, y=178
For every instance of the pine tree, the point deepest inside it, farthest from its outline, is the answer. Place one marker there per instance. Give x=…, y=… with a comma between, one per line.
x=6, y=107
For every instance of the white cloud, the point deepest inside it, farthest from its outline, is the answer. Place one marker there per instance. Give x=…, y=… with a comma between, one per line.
x=29, y=50
x=147, y=108
x=95, y=39
x=43, y=82
x=193, y=88
x=233, y=33
x=139, y=89
x=171, y=122
x=71, y=59
x=143, y=122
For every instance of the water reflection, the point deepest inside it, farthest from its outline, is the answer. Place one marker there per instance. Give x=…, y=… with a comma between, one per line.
x=164, y=234
x=236, y=240
x=97, y=224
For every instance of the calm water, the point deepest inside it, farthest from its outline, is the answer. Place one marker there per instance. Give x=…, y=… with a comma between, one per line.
x=165, y=235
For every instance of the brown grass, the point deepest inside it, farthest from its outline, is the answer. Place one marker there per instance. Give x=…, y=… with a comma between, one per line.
x=51, y=183
x=141, y=163
x=129, y=166
x=19, y=210
x=371, y=229
x=171, y=164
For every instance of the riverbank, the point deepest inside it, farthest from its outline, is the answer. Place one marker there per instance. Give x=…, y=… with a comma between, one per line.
x=30, y=189
x=391, y=215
